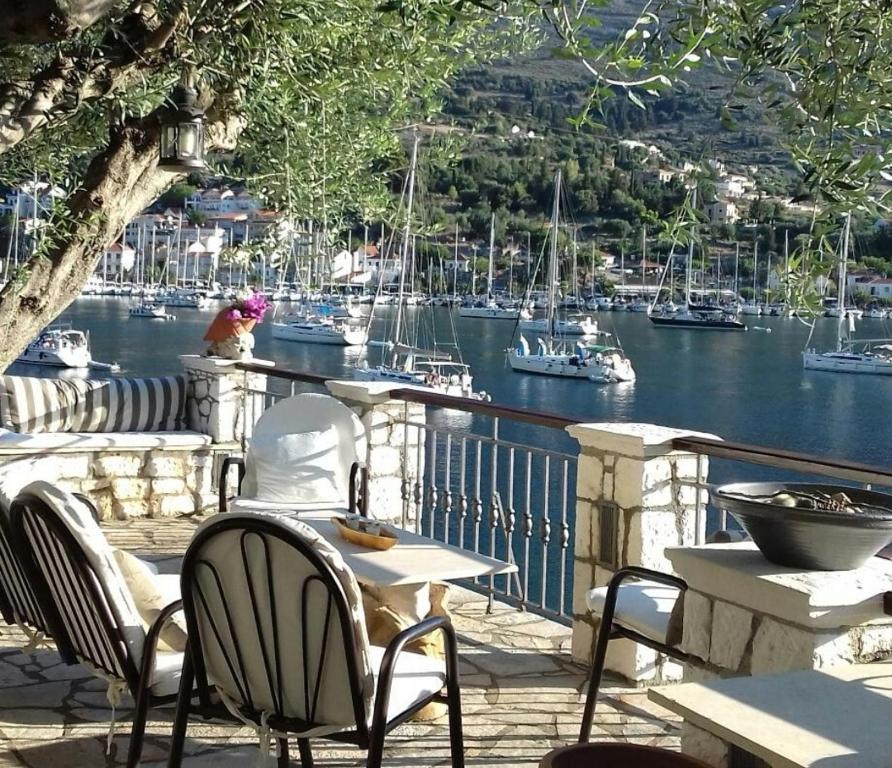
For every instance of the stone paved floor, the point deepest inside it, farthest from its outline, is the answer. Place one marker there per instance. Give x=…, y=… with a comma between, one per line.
x=520, y=698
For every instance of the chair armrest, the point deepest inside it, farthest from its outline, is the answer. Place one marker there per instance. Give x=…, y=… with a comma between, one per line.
x=359, y=489
x=396, y=646
x=230, y=461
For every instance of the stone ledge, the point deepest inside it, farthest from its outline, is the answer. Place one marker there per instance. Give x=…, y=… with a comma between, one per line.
x=638, y=441
x=739, y=574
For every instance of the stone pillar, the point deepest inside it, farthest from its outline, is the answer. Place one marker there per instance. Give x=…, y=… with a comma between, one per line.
x=395, y=458
x=223, y=401
x=635, y=496
x=746, y=616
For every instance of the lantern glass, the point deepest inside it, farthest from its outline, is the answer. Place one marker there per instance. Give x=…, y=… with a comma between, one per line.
x=169, y=142
x=188, y=141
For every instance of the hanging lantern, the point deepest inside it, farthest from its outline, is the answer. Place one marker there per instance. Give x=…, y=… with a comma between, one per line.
x=182, y=134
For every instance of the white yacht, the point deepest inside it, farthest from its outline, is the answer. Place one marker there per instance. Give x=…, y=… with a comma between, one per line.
x=870, y=356
x=556, y=358
x=320, y=330
x=750, y=308
x=185, y=299
x=407, y=356
x=58, y=347
x=150, y=311
x=489, y=310
x=581, y=326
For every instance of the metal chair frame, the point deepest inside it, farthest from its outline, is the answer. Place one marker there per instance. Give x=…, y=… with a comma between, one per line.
x=364, y=735
x=359, y=484
x=76, y=604
x=611, y=630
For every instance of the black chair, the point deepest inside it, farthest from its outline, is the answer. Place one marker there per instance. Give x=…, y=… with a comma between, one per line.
x=273, y=620
x=84, y=611
x=637, y=605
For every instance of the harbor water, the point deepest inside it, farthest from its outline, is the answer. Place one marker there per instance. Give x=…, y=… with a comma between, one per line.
x=748, y=387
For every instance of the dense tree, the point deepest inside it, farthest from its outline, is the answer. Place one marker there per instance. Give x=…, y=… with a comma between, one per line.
x=307, y=94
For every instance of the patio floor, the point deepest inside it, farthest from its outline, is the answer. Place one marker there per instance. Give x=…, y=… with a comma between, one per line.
x=520, y=697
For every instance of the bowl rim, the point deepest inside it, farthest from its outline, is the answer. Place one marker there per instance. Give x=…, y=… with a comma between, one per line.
x=732, y=498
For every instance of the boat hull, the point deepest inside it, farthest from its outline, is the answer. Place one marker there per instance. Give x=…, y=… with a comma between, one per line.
x=842, y=362
x=695, y=324
x=317, y=335
x=552, y=365
x=489, y=313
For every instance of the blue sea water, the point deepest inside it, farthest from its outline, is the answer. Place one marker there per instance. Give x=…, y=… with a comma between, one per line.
x=749, y=387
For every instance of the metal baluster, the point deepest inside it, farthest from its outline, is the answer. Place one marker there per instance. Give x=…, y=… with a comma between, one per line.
x=462, y=496
x=477, y=504
x=431, y=472
x=510, y=519
x=447, y=490
x=545, y=529
x=404, y=484
x=495, y=504
x=527, y=525
x=418, y=490
x=565, y=536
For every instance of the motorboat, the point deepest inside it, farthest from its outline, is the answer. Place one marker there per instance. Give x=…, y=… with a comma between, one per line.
x=750, y=308
x=150, y=312
x=58, y=347
x=613, y=365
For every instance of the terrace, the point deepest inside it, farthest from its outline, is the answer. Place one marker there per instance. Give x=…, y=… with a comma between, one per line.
x=568, y=504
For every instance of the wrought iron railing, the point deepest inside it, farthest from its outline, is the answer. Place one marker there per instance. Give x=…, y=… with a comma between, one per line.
x=501, y=480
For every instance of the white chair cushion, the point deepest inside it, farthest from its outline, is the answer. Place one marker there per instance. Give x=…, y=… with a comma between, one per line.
x=642, y=606
x=415, y=678
x=246, y=504
x=298, y=467
x=79, y=520
x=166, y=673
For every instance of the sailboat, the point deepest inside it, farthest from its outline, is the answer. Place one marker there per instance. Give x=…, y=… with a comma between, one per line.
x=551, y=359
x=489, y=309
x=753, y=307
x=699, y=317
x=872, y=356
x=404, y=361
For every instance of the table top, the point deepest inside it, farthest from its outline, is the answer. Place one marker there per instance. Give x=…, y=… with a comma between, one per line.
x=413, y=560
x=837, y=717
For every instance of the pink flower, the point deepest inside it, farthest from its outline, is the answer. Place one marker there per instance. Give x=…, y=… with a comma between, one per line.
x=233, y=314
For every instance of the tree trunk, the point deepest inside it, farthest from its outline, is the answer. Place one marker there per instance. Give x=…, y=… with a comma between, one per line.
x=120, y=183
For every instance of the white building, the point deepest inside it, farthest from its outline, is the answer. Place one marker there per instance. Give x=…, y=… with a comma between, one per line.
x=32, y=200
x=879, y=287
x=224, y=200
x=722, y=212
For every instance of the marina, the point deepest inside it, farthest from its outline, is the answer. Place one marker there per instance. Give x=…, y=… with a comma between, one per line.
x=684, y=378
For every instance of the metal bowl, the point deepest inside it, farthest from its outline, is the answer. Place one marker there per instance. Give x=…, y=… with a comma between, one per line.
x=810, y=539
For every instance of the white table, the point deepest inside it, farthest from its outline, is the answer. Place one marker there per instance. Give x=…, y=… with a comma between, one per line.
x=836, y=717
x=413, y=560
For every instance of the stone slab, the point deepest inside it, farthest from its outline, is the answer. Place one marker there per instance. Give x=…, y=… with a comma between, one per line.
x=640, y=441
x=738, y=573
x=837, y=717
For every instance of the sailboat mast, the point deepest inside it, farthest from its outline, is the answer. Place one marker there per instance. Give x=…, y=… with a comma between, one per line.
x=736, y=272
x=455, y=267
x=492, y=250
x=407, y=238
x=786, y=268
x=755, y=271
x=644, y=260
x=552, y=260
x=841, y=301
x=690, y=265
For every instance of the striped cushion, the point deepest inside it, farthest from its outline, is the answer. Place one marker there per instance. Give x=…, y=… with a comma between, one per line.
x=34, y=405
